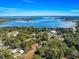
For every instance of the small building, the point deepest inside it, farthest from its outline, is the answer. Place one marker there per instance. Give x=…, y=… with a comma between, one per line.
x=54, y=32
x=17, y=52
x=13, y=50
x=62, y=39
x=20, y=51
x=33, y=34
x=14, y=33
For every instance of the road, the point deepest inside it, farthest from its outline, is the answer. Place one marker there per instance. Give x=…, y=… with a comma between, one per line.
x=30, y=54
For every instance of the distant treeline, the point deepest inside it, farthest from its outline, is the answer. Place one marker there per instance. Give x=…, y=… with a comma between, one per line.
x=10, y=19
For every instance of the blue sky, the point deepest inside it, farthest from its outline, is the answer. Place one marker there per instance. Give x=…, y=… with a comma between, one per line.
x=39, y=7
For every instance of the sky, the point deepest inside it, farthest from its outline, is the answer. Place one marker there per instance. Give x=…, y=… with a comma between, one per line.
x=39, y=7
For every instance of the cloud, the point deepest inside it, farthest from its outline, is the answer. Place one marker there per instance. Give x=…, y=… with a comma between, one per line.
x=4, y=9
x=38, y=13
x=47, y=13
x=75, y=10
x=20, y=12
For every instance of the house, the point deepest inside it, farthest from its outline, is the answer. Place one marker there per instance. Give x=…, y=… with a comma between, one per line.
x=62, y=39
x=54, y=32
x=49, y=35
x=14, y=33
x=13, y=50
x=17, y=52
x=33, y=34
x=20, y=51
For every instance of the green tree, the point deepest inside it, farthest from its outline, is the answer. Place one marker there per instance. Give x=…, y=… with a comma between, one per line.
x=6, y=54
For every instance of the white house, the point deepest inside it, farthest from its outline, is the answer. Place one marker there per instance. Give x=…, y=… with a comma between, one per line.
x=53, y=32
x=14, y=33
x=20, y=51
x=13, y=50
x=33, y=34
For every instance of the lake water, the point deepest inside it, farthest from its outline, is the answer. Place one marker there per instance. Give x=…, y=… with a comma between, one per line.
x=40, y=22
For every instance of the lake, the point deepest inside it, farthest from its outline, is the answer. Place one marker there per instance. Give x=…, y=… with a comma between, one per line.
x=39, y=22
